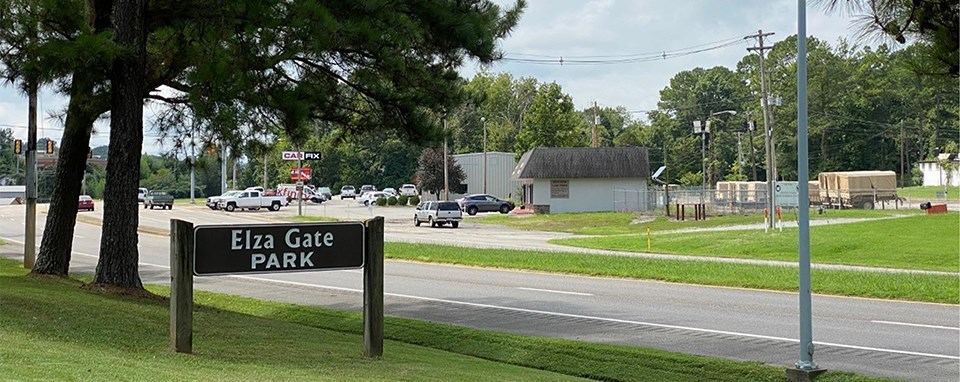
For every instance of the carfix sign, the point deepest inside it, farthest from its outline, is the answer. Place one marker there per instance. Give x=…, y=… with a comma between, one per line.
x=233, y=249
x=291, y=155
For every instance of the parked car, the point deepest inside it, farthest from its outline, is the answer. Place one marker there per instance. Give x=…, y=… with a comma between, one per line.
x=213, y=202
x=471, y=204
x=438, y=214
x=367, y=188
x=408, y=190
x=252, y=200
x=325, y=193
x=391, y=191
x=348, y=192
x=141, y=194
x=85, y=203
x=158, y=199
x=371, y=197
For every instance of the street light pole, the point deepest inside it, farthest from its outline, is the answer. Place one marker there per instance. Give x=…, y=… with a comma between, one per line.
x=483, y=121
x=446, y=175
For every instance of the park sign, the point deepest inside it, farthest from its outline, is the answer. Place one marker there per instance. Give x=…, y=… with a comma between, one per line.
x=269, y=248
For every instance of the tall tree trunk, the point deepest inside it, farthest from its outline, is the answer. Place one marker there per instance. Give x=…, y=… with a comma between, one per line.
x=57, y=242
x=82, y=112
x=118, y=244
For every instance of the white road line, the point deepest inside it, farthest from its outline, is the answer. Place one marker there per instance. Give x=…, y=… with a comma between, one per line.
x=570, y=315
x=917, y=325
x=641, y=323
x=556, y=291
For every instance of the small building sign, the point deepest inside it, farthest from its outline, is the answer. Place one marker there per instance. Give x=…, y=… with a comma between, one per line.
x=559, y=189
x=232, y=249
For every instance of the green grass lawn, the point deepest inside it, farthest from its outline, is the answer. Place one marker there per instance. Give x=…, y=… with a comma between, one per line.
x=896, y=286
x=619, y=223
x=928, y=242
x=53, y=329
x=928, y=192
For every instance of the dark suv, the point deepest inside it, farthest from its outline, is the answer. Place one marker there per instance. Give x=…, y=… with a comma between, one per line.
x=471, y=204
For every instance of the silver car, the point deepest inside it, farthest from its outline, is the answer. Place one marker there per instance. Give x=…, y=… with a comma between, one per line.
x=438, y=214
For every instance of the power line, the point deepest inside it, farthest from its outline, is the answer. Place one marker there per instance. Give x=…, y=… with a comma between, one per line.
x=622, y=59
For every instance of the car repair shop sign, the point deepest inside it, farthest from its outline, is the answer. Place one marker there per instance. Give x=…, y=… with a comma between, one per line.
x=268, y=248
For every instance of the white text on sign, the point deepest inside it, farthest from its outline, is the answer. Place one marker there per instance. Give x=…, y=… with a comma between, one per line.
x=245, y=240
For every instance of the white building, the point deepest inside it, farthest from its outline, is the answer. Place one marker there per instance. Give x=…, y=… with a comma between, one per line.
x=581, y=179
x=935, y=175
x=500, y=166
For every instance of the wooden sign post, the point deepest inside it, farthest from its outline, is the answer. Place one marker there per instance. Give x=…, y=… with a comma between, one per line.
x=272, y=248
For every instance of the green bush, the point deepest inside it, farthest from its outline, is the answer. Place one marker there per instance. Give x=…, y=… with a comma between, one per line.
x=392, y=201
x=381, y=201
x=402, y=200
x=414, y=200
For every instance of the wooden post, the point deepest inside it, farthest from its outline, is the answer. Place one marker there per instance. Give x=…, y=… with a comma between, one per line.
x=181, y=286
x=373, y=289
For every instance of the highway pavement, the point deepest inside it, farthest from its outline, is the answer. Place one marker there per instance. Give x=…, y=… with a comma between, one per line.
x=903, y=340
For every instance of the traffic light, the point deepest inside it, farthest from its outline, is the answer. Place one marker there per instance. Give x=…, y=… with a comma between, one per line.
x=49, y=146
x=18, y=147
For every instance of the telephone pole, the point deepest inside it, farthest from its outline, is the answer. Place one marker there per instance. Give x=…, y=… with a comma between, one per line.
x=903, y=144
x=596, y=123
x=30, y=226
x=767, y=130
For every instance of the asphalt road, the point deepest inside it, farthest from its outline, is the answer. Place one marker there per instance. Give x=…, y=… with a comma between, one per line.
x=912, y=341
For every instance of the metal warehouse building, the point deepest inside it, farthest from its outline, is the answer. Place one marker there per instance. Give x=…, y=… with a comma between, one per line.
x=500, y=166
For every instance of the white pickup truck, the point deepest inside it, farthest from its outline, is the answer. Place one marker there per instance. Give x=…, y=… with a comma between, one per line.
x=251, y=200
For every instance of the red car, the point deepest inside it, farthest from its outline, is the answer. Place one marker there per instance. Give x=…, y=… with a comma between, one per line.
x=86, y=203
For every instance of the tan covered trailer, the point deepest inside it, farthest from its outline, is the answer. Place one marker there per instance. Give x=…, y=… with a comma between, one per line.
x=858, y=189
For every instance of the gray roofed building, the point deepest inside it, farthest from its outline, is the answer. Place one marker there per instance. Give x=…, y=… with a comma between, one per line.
x=583, y=162
x=584, y=179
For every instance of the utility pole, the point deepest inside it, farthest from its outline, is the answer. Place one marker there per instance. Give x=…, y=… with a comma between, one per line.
x=666, y=183
x=193, y=168
x=751, y=126
x=596, y=124
x=30, y=228
x=903, y=141
x=740, y=150
x=446, y=175
x=234, y=173
x=483, y=121
x=223, y=168
x=767, y=130
x=264, y=170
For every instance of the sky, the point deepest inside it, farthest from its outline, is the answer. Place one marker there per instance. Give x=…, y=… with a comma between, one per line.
x=571, y=28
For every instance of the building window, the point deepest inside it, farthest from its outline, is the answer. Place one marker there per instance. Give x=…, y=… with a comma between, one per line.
x=559, y=189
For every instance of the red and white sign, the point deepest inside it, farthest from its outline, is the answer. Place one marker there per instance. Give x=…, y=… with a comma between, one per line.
x=300, y=174
x=292, y=155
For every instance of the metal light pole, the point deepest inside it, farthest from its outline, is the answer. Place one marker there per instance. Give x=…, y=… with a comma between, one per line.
x=446, y=175
x=483, y=121
x=803, y=218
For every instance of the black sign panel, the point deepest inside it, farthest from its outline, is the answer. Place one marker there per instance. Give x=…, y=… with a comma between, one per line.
x=311, y=155
x=269, y=248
